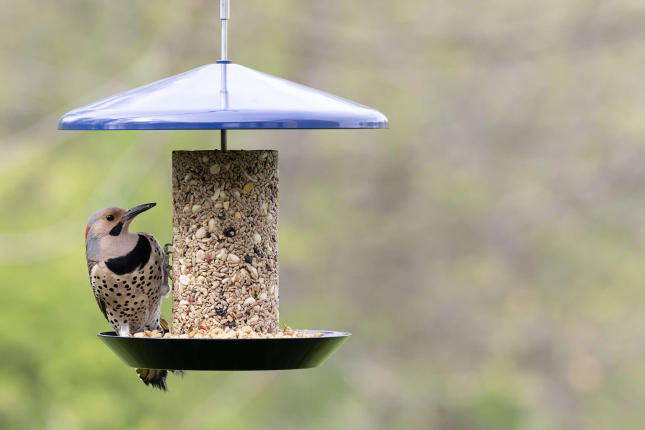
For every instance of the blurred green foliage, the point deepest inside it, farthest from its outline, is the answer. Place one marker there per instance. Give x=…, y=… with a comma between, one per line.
x=486, y=252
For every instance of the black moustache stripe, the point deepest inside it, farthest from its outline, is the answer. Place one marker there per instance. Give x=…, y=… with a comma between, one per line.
x=116, y=230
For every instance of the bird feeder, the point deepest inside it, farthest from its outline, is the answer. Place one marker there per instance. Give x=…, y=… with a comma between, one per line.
x=225, y=212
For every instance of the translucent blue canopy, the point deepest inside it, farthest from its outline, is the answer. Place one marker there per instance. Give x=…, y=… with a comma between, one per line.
x=222, y=96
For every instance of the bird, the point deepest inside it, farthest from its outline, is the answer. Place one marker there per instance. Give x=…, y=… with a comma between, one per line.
x=129, y=277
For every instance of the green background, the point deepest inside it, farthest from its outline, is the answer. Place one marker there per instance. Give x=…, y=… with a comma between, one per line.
x=486, y=251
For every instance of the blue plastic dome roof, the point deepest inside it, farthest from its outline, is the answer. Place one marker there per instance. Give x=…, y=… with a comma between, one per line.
x=222, y=96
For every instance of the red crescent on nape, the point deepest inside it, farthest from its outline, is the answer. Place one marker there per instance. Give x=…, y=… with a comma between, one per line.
x=87, y=230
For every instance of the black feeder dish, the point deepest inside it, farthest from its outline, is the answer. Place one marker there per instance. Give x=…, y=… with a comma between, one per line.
x=223, y=96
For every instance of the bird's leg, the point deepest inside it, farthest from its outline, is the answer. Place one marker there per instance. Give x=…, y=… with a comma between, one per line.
x=166, y=257
x=167, y=252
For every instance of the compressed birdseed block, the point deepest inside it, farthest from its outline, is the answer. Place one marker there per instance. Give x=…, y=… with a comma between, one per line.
x=225, y=241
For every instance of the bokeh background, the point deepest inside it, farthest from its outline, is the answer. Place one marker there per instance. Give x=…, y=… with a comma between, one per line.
x=486, y=252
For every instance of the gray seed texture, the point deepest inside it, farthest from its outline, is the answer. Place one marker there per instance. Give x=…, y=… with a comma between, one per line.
x=225, y=207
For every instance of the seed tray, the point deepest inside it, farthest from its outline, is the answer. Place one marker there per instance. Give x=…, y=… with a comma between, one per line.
x=226, y=354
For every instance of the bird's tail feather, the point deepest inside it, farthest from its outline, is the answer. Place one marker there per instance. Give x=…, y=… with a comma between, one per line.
x=157, y=377
x=154, y=377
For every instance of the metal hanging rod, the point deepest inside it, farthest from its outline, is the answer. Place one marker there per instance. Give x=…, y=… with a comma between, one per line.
x=224, y=16
x=224, y=6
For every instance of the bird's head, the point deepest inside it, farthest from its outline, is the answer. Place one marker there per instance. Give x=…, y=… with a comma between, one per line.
x=112, y=221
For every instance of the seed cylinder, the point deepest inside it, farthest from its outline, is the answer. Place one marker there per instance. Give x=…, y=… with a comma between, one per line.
x=225, y=240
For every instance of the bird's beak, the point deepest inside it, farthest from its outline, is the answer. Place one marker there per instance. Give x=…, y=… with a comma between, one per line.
x=137, y=210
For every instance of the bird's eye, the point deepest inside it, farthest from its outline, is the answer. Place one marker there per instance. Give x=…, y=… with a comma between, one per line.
x=110, y=217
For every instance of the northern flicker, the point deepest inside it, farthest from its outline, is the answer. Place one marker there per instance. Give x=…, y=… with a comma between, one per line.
x=129, y=276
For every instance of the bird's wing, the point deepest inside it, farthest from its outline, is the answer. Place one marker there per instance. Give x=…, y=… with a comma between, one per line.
x=90, y=266
x=99, y=301
x=101, y=304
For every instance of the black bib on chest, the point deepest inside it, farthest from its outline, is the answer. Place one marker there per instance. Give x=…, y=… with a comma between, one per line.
x=133, y=260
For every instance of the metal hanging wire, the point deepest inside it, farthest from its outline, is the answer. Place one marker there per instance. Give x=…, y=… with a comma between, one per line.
x=224, y=16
